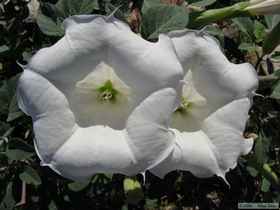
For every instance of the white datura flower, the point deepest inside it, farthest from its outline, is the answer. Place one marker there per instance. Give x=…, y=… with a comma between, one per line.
x=215, y=99
x=263, y=7
x=101, y=98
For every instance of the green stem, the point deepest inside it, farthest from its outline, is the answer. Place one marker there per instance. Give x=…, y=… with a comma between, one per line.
x=203, y=18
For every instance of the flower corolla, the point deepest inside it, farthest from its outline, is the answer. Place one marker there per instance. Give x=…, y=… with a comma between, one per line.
x=215, y=99
x=87, y=96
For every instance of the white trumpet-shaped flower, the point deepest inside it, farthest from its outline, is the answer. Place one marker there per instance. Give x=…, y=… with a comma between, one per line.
x=215, y=100
x=87, y=96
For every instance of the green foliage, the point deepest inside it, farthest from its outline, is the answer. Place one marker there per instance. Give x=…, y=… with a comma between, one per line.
x=30, y=176
x=77, y=186
x=203, y=3
x=161, y=18
x=272, y=40
x=8, y=201
x=52, y=25
x=133, y=191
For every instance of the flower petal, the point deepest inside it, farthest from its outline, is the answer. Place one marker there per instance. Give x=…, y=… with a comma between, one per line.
x=93, y=39
x=193, y=152
x=213, y=150
x=147, y=127
x=100, y=149
x=53, y=122
x=214, y=77
x=225, y=128
x=78, y=153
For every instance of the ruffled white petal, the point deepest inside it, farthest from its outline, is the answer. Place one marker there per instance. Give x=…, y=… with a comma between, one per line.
x=225, y=128
x=53, y=121
x=214, y=149
x=214, y=77
x=193, y=152
x=147, y=127
x=93, y=39
x=78, y=153
x=100, y=149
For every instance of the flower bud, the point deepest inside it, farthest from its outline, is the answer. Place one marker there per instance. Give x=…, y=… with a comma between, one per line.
x=264, y=7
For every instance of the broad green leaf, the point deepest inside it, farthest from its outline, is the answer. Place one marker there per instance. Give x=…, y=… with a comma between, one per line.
x=250, y=47
x=76, y=7
x=162, y=19
x=271, y=20
x=17, y=155
x=215, y=31
x=133, y=190
x=52, y=26
x=77, y=186
x=265, y=185
x=252, y=171
x=8, y=201
x=48, y=26
x=7, y=91
x=203, y=3
x=259, y=31
x=30, y=176
x=276, y=91
x=246, y=25
x=148, y=4
x=261, y=150
x=14, y=111
x=272, y=40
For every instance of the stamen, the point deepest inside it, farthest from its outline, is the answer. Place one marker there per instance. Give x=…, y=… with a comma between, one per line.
x=184, y=106
x=107, y=92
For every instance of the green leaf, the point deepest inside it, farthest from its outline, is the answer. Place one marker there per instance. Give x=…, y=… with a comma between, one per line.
x=30, y=176
x=4, y=48
x=17, y=155
x=276, y=91
x=272, y=20
x=162, y=19
x=203, y=3
x=151, y=204
x=76, y=7
x=78, y=186
x=7, y=92
x=14, y=111
x=252, y=171
x=4, y=97
x=133, y=190
x=259, y=31
x=8, y=201
x=52, y=26
x=250, y=47
x=52, y=206
x=272, y=40
x=265, y=185
x=246, y=25
x=261, y=150
x=148, y=4
x=48, y=26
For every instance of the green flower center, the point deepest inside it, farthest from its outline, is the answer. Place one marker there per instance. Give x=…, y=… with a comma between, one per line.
x=184, y=106
x=107, y=92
